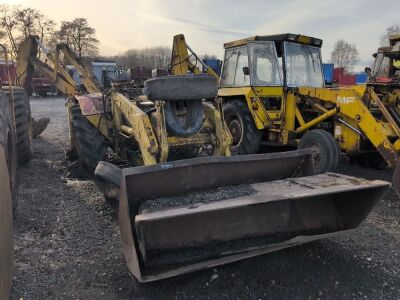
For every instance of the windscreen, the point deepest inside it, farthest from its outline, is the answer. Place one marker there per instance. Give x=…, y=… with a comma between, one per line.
x=303, y=65
x=264, y=65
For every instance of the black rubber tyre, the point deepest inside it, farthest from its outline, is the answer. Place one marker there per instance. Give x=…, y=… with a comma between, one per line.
x=23, y=123
x=90, y=144
x=110, y=176
x=8, y=140
x=246, y=137
x=109, y=172
x=326, y=153
x=191, y=124
x=181, y=87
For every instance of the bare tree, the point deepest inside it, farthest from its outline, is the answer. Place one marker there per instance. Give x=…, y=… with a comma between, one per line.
x=344, y=55
x=27, y=21
x=79, y=36
x=18, y=23
x=8, y=25
x=46, y=28
x=152, y=58
x=394, y=29
x=62, y=36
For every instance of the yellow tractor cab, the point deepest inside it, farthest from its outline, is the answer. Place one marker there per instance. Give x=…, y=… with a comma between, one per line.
x=273, y=60
x=257, y=85
x=273, y=94
x=386, y=67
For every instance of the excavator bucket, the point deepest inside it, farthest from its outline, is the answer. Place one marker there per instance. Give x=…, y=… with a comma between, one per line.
x=187, y=215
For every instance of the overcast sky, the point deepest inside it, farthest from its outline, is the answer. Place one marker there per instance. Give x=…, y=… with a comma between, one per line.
x=207, y=24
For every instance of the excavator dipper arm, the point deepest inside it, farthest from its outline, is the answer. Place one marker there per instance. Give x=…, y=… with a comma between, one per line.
x=180, y=59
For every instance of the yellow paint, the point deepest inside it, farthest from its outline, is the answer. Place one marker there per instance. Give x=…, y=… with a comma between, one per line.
x=180, y=59
x=350, y=103
x=286, y=126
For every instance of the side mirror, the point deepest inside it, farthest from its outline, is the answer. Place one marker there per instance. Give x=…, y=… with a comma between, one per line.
x=367, y=70
x=246, y=71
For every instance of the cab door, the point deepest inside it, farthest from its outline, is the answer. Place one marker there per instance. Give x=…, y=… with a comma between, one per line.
x=266, y=80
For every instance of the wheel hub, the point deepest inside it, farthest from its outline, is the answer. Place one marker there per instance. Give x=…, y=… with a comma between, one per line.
x=235, y=129
x=317, y=155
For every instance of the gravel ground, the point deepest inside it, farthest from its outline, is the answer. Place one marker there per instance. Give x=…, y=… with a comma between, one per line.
x=68, y=243
x=194, y=198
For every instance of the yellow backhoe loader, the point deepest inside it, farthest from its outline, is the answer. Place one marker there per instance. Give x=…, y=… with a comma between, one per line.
x=185, y=204
x=272, y=89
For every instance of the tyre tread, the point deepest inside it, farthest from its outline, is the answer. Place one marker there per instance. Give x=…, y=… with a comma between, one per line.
x=91, y=145
x=252, y=136
x=22, y=114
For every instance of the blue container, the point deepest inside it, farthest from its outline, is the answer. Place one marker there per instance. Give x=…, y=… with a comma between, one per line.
x=361, y=78
x=214, y=64
x=328, y=73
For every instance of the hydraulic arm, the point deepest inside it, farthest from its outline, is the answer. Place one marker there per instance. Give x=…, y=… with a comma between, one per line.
x=53, y=67
x=181, y=60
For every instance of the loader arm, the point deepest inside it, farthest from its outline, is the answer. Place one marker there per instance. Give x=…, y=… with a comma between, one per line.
x=63, y=84
x=27, y=51
x=88, y=78
x=349, y=102
x=180, y=59
x=139, y=127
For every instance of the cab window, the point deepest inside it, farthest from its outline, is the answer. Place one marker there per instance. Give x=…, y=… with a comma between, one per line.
x=264, y=64
x=303, y=65
x=235, y=61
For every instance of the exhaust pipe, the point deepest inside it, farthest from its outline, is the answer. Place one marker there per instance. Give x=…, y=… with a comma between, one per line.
x=259, y=203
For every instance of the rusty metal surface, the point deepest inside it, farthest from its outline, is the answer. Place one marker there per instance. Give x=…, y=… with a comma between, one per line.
x=91, y=104
x=276, y=207
x=189, y=175
x=6, y=230
x=196, y=139
x=281, y=213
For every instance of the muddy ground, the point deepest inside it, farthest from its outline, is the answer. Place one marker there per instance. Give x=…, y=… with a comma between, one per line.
x=68, y=244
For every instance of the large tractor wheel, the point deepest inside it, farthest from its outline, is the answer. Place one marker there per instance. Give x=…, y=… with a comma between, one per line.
x=181, y=87
x=90, y=144
x=183, y=95
x=8, y=141
x=325, y=150
x=6, y=230
x=246, y=138
x=23, y=122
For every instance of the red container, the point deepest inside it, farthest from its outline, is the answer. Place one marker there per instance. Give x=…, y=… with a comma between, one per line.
x=347, y=80
x=3, y=72
x=337, y=73
x=340, y=78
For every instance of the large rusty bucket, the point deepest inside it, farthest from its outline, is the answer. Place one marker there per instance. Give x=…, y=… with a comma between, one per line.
x=264, y=202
